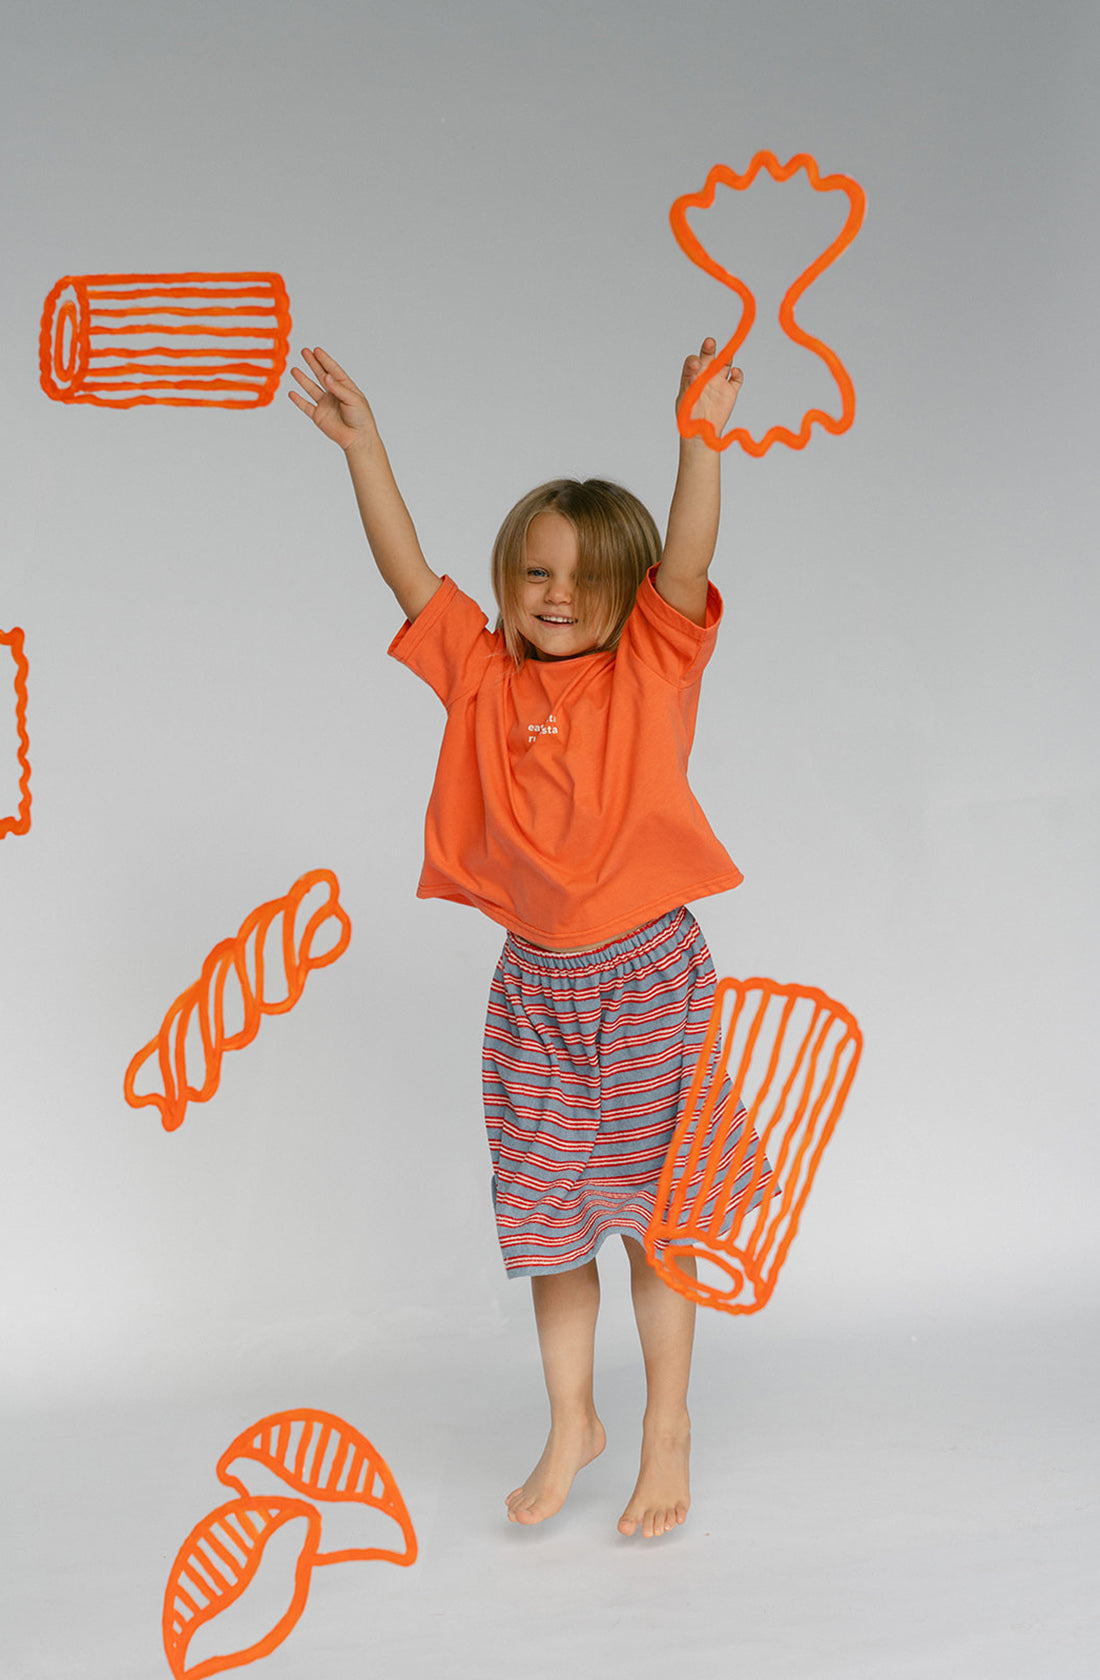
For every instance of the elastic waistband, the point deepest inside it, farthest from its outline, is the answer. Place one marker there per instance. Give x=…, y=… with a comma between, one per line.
x=630, y=946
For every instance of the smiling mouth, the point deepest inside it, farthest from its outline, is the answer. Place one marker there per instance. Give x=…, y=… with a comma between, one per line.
x=544, y=619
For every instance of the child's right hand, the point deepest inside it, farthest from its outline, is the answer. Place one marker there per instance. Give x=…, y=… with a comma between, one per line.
x=339, y=407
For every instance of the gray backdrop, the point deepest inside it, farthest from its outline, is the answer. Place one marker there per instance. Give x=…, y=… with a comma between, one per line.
x=468, y=204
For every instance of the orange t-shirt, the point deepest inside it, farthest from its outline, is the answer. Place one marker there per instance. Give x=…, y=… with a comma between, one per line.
x=561, y=805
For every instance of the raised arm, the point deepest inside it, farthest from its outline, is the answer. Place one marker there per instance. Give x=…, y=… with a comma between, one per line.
x=696, y=500
x=338, y=407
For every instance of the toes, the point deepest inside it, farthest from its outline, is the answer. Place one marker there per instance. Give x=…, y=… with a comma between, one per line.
x=660, y=1521
x=524, y=1507
x=652, y=1523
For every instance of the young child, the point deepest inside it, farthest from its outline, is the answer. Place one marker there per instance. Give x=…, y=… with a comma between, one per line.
x=561, y=809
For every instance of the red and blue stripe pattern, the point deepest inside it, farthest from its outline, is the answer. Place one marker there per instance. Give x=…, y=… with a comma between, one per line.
x=587, y=1061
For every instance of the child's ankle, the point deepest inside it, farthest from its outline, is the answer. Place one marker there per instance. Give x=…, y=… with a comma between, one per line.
x=582, y=1415
x=674, y=1420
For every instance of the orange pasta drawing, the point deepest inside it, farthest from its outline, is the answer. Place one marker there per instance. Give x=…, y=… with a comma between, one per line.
x=791, y=1054
x=325, y=1460
x=243, y=957
x=184, y=340
x=214, y=1567
x=690, y=426
x=20, y=822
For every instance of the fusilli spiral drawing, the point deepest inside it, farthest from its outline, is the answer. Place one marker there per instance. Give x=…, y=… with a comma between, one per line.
x=204, y=1001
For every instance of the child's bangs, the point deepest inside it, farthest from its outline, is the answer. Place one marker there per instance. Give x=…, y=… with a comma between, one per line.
x=617, y=543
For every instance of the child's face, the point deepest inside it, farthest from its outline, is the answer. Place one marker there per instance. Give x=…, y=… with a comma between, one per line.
x=549, y=616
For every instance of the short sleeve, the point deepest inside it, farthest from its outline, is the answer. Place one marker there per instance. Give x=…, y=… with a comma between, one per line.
x=448, y=645
x=667, y=642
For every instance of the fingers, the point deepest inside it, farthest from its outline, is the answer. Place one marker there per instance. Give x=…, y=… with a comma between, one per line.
x=708, y=350
x=706, y=354
x=300, y=402
x=323, y=363
x=330, y=375
x=313, y=364
x=329, y=386
x=315, y=390
x=327, y=369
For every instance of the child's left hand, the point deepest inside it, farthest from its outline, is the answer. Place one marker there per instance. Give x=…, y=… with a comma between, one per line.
x=715, y=401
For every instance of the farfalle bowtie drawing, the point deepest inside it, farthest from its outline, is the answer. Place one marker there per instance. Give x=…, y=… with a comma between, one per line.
x=721, y=175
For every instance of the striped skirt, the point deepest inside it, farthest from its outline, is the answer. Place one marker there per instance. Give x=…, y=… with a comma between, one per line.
x=587, y=1063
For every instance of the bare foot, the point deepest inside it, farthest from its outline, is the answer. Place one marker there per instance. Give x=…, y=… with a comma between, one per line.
x=661, y=1498
x=569, y=1447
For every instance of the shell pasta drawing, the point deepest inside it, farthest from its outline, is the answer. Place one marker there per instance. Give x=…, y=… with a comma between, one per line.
x=321, y=1458
x=327, y=1465
x=214, y=1568
x=791, y=1054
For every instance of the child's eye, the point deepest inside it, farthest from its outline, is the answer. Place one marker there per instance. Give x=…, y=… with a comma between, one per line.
x=535, y=572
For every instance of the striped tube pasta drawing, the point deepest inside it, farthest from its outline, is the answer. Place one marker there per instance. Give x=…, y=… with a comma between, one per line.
x=693, y=426
x=266, y=938
x=214, y=1568
x=323, y=1459
x=183, y=340
x=791, y=1054
x=15, y=766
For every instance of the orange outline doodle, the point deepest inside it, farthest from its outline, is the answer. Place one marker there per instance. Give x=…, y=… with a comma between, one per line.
x=691, y=247
x=229, y=333
x=170, y=1044
x=21, y=822
x=802, y=1088
x=214, y=1566
x=322, y=1457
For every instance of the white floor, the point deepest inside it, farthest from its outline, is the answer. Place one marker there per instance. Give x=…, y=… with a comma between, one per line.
x=921, y=1502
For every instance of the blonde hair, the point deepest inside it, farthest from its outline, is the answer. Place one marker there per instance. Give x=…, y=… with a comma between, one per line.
x=617, y=543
